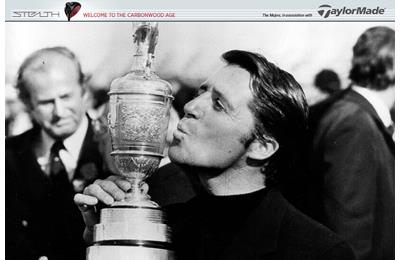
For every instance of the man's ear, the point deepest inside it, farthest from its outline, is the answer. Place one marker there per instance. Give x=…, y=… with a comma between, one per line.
x=259, y=151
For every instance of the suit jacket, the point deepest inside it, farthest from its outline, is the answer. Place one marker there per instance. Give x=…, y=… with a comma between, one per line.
x=273, y=230
x=40, y=220
x=352, y=174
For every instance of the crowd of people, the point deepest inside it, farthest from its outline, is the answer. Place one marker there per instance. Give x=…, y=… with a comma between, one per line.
x=255, y=173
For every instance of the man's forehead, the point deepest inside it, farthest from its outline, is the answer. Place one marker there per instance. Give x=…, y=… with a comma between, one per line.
x=50, y=64
x=46, y=59
x=232, y=84
x=228, y=76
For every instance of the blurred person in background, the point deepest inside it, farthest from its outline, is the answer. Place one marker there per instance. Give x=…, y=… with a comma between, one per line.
x=352, y=151
x=327, y=82
x=17, y=119
x=97, y=107
x=47, y=165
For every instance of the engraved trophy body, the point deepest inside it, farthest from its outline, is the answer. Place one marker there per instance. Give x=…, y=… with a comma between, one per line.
x=135, y=228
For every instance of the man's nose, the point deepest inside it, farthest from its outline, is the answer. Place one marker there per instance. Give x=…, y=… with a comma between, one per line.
x=196, y=107
x=59, y=107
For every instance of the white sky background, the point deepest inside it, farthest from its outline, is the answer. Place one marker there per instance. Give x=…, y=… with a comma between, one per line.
x=190, y=51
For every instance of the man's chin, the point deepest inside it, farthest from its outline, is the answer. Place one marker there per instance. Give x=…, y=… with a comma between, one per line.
x=181, y=158
x=174, y=154
x=60, y=133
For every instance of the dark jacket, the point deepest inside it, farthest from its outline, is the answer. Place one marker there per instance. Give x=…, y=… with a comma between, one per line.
x=41, y=221
x=273, y=230
x=352, y=174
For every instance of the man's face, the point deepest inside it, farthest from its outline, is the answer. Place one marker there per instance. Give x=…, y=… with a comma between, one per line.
x=217, y=123
x=56, y=97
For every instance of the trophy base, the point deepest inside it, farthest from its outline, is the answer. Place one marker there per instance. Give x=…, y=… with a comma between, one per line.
x=118, y=252
x=132, y=223
x=127, y=232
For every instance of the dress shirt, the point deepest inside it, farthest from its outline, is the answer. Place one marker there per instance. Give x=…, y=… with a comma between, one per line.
x=70, y=155
x=381, y=109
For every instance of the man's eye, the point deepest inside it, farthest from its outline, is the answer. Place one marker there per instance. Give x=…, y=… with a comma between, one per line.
x=218, y=105
x=45, y=102
x=66, y=97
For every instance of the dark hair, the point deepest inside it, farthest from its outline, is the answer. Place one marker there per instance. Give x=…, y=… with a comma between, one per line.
x=21, y=85
x=279, y=107
x=327, y=81
x=373, y=59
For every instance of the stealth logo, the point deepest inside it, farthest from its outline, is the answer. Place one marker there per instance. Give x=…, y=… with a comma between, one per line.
x=326, y=10
x=35, y=14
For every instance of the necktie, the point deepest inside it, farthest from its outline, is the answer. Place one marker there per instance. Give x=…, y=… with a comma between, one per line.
x=58, y=173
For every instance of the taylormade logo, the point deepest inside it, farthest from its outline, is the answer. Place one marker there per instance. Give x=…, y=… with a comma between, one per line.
x=326, y=10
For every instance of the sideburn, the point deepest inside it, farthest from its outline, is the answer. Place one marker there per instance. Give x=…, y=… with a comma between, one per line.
x=247, y=139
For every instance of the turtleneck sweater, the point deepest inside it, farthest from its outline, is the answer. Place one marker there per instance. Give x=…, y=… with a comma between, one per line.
x=206, y=225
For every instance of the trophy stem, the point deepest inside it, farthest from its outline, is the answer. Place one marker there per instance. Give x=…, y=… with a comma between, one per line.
x=136, y=193
x=136, y=196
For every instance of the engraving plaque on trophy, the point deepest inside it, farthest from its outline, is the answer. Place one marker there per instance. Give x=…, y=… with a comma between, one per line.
x=140, y=101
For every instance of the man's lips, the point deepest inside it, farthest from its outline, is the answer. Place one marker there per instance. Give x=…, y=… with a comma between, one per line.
x=181, y=128
x=179, y=131
x=62, y=122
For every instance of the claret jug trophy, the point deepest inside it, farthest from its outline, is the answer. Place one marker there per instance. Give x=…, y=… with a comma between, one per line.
x=140, y=101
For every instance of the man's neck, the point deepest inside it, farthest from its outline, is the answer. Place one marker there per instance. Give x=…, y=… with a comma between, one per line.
x=232, y=181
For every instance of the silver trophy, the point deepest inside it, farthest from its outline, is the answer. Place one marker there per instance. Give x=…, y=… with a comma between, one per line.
x=140, y=101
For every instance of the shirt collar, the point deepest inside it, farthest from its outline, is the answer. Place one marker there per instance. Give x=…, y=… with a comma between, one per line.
x=380, y=108
x=74, y=142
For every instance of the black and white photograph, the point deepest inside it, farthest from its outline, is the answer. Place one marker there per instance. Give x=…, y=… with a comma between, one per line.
x=199, y=140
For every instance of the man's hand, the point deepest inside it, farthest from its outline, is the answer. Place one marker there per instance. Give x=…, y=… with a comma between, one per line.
x=106, y=191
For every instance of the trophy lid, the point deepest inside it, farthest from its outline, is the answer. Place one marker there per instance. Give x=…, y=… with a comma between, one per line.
x=137, y=83
x=141, y=79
